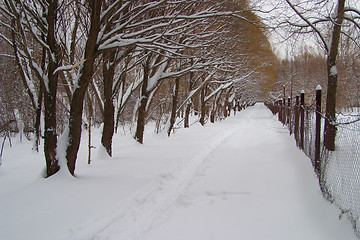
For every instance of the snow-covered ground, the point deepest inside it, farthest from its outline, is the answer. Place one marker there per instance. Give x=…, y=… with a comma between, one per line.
x=242, y=178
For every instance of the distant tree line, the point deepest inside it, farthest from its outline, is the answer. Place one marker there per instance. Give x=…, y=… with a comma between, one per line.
x=308, y=69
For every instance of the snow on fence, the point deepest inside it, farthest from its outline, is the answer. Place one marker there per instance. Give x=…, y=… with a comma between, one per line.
x=338, y=171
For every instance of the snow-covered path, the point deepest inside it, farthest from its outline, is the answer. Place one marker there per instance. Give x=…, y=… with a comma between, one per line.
x=242, y=178
x=257, y=185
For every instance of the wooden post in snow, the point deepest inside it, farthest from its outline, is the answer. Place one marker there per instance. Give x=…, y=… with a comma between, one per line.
x=296, y=127
x=318, y=130
x=302, y=118
x=289, y=115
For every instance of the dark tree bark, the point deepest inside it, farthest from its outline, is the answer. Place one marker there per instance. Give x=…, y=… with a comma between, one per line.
x=144, y=97
x=187, y=115
x=330, y=128
x=38, y=119
x=188, y=105
x=225, y=111
x=215, y=107
x=86, y=72
x=174, y=105
x=38, y=110
x=50, y=142
x=213, y=113
x=203, y=106
x=109, y=109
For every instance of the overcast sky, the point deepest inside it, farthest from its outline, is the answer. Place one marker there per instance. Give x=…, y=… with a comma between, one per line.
x=276, y=11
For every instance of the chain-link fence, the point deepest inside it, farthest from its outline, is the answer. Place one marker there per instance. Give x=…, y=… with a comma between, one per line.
x=338, y=171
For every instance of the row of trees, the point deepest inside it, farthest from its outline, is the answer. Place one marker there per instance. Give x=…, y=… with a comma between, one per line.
x=112, y=56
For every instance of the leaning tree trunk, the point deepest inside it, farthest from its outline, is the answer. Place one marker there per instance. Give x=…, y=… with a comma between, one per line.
x=75, y=120
x=330, y=127
x=109, y=109
x=85, y=75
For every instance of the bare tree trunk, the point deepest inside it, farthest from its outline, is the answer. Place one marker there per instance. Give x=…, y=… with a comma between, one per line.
x=188, y=105
x=37, y=124
x=225, y=110
x=174, y=105
x=50, y=136
x=144, y=96
x=213, y=112
x=109, y=109
x=50, y=143
x=108, y=129
x=330, y=128
x=187, y=115
x=85, y=75
x=140, y=126
x=121, y=104
x=215, y=107
x=203, y=106
x=75, y=121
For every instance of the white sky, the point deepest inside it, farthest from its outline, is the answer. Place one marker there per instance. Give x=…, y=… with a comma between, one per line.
x=280, y=11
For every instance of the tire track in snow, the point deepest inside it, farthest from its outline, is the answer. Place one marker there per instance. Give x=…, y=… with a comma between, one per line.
x=142, y=211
